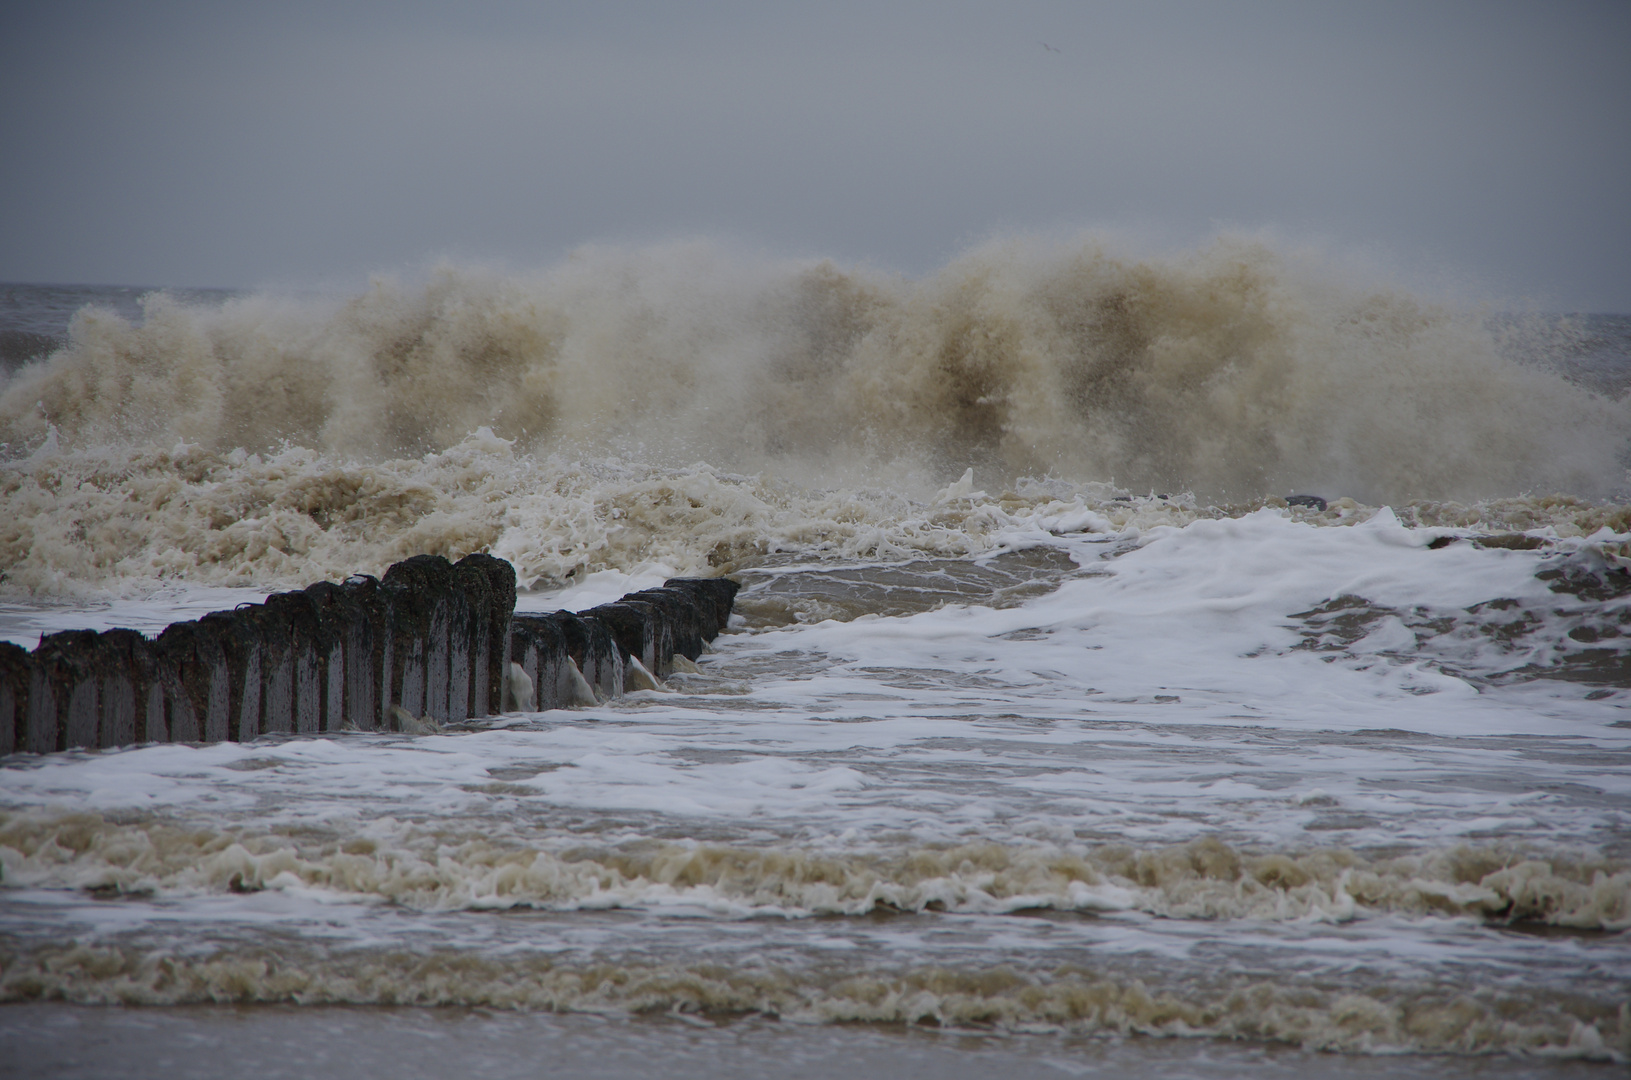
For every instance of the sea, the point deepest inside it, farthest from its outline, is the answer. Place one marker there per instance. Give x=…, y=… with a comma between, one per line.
x=1203, y=663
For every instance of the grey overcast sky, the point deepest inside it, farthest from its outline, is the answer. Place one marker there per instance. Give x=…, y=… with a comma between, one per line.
x=239, y=144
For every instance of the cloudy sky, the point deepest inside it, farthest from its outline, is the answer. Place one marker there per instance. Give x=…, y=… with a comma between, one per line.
x=241, y=144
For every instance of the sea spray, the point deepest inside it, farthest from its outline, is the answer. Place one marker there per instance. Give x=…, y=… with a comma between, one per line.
x=1047, y=710
x=1232, y=371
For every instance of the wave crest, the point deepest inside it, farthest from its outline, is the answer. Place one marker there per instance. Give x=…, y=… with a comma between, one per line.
x=1232, y=371
x=439, y=871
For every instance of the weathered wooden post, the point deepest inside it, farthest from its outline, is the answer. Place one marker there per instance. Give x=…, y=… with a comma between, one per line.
x=639, y=629
x=368, y=652
x=152, y=693
x=123, y=660
x=470, y=653
x=580, y=648
x=275, y=628
x=236, y=634
x=16, y=673
x=420, y=593
x=300, y=629
x=198, y=682
x=63, y=698
x=500, y=609
x=654, y=624
x=334, y=612
x=680, y=616
x=602, y=661
x=536, y=645
x=713, y=598
x=432, y=637
x=355, y=623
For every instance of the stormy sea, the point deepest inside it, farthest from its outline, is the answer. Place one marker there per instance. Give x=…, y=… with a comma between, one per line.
x=1193, y=664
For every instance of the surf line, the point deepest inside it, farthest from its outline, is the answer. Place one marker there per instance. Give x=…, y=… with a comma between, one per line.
x=432, y=642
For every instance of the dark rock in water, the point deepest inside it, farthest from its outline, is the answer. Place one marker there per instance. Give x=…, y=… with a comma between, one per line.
x=1583, y=576
x=1313, y=502
x=1512, y=541
x=1439, y=543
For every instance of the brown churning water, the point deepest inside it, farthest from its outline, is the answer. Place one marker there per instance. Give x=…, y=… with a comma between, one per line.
x=1232, y=371
x=1044, y=714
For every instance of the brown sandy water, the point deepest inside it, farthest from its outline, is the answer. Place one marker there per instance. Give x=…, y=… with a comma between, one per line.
x=63, y=1042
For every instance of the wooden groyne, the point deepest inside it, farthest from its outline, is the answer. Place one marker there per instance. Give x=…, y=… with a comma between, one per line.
x=431, y=641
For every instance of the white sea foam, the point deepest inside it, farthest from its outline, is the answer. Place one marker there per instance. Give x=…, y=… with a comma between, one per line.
x=992, y=741
x=678, y=409
x=1082, y=719
x=1148, y=746
x=1233, y=370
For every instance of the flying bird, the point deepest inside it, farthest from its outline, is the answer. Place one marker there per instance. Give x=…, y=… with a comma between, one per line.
x=1046, y=46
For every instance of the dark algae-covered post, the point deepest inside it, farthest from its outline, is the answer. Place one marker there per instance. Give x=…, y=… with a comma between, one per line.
x=432, y=642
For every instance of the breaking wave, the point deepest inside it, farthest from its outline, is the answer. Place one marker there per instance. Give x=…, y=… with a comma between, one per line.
x=1233, y=371
x=438, y=870
x=106, y=519
x=1431, y=1018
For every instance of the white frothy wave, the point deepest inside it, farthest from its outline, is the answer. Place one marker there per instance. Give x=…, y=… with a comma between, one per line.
x=90, y=521
x=1233, y=371
x=439, y=869
x=1509, y=1019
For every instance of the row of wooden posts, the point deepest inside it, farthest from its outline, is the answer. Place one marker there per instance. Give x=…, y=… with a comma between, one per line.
x=431, y=639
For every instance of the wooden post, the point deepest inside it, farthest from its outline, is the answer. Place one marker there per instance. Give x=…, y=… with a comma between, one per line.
x=16, y=674
x=432, y=637
x=198, y=682
x=500, y=609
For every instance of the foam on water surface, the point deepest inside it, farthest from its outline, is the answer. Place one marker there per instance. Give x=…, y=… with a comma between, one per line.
x=1151, y=746
x=558, y=419
x=1042, y=711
